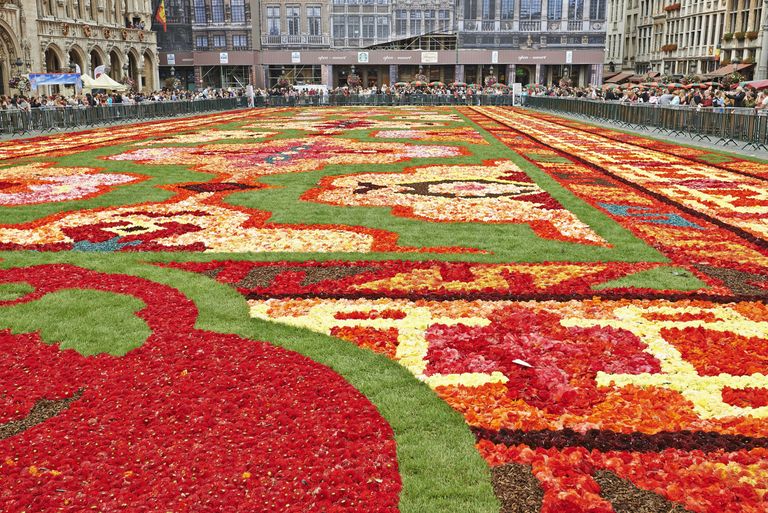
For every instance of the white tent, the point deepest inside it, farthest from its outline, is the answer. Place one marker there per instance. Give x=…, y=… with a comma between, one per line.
x=105, y=82
x=87, y=81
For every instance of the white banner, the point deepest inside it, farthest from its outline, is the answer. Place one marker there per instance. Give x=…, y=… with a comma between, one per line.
x=429, y=57
x=223, y=58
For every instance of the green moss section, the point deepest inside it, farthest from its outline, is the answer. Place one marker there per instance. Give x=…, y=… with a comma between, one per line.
x=439, y=465
x=11, y=291
x=658, y=278
x=89, y=321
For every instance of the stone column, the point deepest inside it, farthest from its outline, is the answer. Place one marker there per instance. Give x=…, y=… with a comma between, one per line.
x=459, y=73
x=326, y=75
x=393, y=75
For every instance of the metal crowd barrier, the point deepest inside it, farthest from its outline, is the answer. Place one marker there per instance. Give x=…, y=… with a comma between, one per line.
x=720, y=125
x=17, y=122
x=383, y=100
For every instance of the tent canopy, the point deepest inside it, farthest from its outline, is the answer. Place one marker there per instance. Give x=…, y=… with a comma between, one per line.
x=87, y=81
x=105, y=82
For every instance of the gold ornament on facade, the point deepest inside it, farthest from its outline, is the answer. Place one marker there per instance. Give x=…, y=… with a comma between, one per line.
x=65, y=29
x=124, y=34
x=141, y=36
x=107, y=33
x=87, y=30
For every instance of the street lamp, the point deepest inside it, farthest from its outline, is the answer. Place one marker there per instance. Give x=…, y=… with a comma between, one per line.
x=18, y=64
x=173, y=71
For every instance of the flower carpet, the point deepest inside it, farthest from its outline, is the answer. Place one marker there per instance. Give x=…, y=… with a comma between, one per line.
x=394, y=309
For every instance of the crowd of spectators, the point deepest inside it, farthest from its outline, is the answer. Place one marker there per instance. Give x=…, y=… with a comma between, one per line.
x=84, y=100
x=711, y=96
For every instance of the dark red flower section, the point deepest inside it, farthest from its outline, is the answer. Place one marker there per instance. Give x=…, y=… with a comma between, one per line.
x=437, y=280
x=566, y=360
x=190, y=421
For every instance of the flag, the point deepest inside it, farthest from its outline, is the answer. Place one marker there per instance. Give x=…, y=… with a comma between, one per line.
x=99, y=71
x=160, y=14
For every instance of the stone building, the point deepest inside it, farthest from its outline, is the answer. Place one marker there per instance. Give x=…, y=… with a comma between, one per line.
x=59, y=35
x=384, y=41
x=683, y=37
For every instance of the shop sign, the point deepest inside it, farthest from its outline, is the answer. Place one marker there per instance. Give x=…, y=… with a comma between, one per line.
x=429, y=57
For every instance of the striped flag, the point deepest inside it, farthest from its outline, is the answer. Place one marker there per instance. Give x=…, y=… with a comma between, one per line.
x=160, y=14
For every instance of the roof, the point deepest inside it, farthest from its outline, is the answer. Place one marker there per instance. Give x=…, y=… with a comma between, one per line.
x=728, y=69
x=620, y=77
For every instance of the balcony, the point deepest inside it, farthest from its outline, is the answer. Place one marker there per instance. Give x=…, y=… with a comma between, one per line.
x=73, y=29
x=575, y=25
x=297, y=40
x=530, y=26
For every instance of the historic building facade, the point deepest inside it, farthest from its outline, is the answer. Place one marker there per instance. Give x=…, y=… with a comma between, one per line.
x=684, y=37
x=62, y=35
x=385, y=41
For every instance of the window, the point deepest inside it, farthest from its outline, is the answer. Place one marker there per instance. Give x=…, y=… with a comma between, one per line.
x=489, y=9
x=382, y=27
x=530, y=9
x=369, y=27
x=219, y=41
x=353, y=27
x=294, y=19
x=508, y=9
x=383, y=2
x=597, y=10
x=238, y=11
x=401, y=22
x=470, y=9
x=175, y=11
x=415, y=22
x=313, y=20
x=200, y=12
x=339, y=27
x=273, y=20
x=201, y=42
x=429, y=21
x=555, y=9
x=217, y=11
x=575, y=9
x=240, y=41
x=444, y=16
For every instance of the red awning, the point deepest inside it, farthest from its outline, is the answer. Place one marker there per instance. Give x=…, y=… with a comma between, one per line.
x=620, y=77
x=728, y=69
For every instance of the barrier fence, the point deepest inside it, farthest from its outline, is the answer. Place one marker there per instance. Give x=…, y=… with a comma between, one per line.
x=720, y=125
x=17, y=122
x=385, y=100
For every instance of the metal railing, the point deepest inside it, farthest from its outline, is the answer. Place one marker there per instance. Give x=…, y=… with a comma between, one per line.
x=720, y=125
x=384, y=100
x=18, y=122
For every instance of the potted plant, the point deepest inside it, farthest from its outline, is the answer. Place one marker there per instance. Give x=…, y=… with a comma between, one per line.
x=728, y=36
x=740, y=35
x=752, y=35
